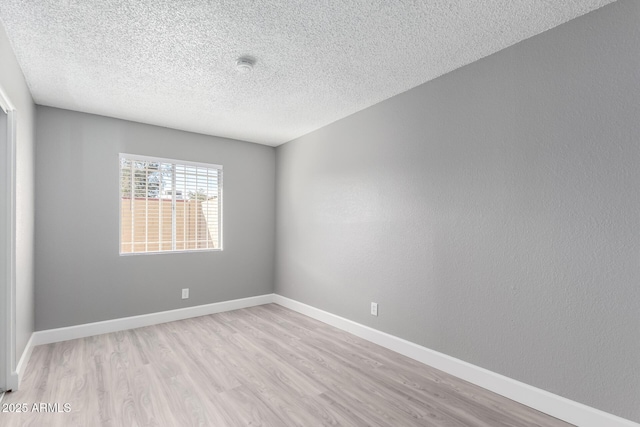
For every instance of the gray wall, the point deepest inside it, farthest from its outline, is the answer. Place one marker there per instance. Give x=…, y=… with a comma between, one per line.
x=492, y=213
x=13, y=83
x=81, y=278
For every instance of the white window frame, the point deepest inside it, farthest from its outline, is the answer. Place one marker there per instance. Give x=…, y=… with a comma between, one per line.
x=177, y=162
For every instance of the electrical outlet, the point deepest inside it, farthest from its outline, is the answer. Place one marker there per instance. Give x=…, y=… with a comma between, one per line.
x=374, y=308
x=185, y=293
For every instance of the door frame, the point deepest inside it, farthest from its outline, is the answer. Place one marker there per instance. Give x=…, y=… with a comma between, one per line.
x=8, y=376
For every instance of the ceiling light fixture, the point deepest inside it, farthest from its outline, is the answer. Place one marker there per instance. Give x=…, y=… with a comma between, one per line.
x=245, y=64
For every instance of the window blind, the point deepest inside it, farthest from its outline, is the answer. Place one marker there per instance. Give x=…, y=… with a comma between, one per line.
x=169, y=205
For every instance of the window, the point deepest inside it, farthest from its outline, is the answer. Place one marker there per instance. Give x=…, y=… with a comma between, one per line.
x=169, y=205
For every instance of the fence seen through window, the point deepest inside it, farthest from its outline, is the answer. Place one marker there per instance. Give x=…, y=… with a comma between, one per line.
x=169, y=205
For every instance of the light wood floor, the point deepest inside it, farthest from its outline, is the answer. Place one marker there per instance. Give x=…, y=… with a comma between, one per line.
x=261, y=366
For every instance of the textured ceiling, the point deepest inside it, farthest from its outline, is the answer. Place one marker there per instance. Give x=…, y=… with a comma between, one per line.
x=172, y=62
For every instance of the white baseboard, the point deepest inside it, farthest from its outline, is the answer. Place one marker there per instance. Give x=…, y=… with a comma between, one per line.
x=90, y=329
x=13, y=381
x=541, y=400
x=24, y=361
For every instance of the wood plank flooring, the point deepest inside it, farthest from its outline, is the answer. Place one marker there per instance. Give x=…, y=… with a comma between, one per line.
x=260, y=366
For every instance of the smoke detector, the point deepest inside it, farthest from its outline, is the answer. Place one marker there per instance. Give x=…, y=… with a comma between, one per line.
x=245, y=64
